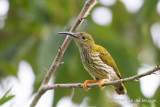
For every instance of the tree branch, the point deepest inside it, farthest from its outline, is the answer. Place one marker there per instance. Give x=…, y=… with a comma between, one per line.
x=84, y=13
x=80, y=85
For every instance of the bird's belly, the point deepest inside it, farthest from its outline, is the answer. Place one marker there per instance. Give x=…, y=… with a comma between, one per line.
x=98, y=69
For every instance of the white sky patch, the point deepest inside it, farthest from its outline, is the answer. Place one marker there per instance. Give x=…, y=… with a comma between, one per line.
x=122, y=100
x=133, y=5
x=155, y=32
x=149, y=84
x=46, y=100
x=67, y=102
x=158, y=7
x=102, y=16
x=22, y=88
x=4, y=7
x=108, y=2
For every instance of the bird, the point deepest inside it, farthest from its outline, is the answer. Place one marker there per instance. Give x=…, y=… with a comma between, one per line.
x=97, y=61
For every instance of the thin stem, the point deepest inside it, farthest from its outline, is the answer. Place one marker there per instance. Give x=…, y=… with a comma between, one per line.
x=80, y=85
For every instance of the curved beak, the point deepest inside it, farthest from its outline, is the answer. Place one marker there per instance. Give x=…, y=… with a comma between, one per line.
x=69, y=33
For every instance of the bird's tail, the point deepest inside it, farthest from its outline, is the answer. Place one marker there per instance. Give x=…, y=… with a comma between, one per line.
x=120, y=89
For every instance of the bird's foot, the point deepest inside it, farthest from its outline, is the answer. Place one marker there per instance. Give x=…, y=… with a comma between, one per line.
x=86, y=82
x=102, y=82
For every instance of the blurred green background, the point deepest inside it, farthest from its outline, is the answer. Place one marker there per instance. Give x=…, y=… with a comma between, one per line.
x=30, y=34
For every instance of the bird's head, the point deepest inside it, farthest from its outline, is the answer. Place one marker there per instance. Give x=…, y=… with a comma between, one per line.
x=82, y=39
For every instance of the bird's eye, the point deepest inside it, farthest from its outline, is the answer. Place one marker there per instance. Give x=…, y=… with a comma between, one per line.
x=83, y=37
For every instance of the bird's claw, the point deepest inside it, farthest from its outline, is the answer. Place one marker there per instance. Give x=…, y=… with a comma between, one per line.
x=87, y=82
x=102, y=82
x=85, y=86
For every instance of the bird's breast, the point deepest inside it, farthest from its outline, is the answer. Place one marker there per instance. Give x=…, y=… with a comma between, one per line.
x=95, y=66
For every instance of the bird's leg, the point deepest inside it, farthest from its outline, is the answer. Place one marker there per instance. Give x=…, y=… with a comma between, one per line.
x=102, y=82
x=86, y=82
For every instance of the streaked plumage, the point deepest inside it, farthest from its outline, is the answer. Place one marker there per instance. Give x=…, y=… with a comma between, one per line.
x=97, y=60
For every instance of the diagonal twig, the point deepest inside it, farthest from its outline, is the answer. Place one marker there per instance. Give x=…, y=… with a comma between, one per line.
x=89, y=4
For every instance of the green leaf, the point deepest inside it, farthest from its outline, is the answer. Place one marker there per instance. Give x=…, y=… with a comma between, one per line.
x=6, y=97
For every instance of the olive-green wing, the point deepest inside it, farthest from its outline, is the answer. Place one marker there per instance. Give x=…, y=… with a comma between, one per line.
x=107, y=58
